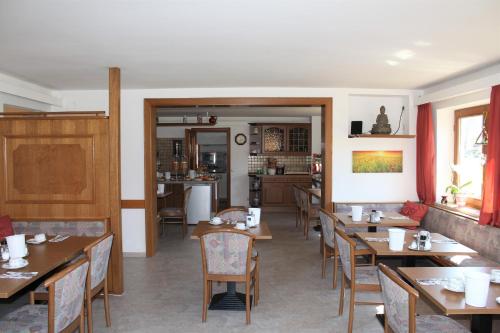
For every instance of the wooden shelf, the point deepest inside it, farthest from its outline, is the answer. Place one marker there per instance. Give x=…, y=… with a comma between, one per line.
x=387, y=136
x=184, y=124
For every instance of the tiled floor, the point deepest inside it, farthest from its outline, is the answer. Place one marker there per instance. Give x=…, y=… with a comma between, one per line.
x=164, y=293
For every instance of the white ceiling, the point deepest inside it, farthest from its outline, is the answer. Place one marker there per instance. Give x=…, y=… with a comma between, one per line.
x=242, y=111
x=233, y=43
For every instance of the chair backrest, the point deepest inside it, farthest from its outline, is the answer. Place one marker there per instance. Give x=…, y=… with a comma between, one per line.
x=99, y=253
x=399, y=301
x=66, y=290
x=233, y=214
x=327, y=227
x=296, y=195
x=226, y=251
x=345, y=246
x=187, y=194
x=304, y=199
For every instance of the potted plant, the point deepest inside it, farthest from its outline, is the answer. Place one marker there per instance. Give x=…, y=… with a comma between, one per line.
x=456, y=191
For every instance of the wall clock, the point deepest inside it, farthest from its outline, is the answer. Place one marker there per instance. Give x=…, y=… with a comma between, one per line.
x=240, y=139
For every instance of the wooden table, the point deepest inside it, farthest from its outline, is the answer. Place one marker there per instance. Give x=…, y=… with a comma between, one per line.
x=438, y=249
x=315, y=192
x=230, y=300
x=451, y=303
x=388, y=221
x=261, y=231
x=43, y=259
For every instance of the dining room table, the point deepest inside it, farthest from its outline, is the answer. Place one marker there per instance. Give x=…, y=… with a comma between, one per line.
x=42, y=259
x=378, y=243
x=388, y=219
x=231, y=299
x=453, y=303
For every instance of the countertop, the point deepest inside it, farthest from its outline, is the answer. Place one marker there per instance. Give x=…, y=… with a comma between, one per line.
x=188, y=181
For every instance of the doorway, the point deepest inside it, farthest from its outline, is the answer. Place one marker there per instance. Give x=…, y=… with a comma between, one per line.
x=150, y=116
x=209, y=151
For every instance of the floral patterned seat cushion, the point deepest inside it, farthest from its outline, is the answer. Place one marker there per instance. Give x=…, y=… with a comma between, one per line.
x=26, y=319
x=367, y=275
x=438, y=324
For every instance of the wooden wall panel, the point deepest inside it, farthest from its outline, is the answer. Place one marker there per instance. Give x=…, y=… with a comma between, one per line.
x=54, y=168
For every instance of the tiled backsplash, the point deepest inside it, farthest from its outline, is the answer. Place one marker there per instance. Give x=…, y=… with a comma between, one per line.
x=165, y=148
x=292, y=163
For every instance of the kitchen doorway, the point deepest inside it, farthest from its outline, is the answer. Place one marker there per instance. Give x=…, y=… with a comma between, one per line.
x=209, y=152
x=150, y=119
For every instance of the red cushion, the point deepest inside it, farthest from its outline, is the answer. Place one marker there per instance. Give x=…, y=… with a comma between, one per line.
x=5, y=227
x=414, y=210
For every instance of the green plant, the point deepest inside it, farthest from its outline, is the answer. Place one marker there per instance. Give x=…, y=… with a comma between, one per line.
x=454, y=189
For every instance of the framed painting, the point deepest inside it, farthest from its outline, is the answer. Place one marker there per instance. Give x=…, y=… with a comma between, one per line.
x=377, y=161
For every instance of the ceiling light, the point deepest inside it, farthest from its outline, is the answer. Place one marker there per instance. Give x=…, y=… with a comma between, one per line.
x=404, y=54
x=422, y=43
x=392, y=62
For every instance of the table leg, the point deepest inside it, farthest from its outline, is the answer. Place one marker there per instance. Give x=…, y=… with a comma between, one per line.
x=481, y=323
x=230, y=300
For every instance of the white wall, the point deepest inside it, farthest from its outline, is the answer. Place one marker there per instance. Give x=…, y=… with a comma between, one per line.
x=316, y=134
x=346, y=185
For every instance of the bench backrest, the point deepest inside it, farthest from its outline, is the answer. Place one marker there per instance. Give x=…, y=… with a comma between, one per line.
x=75, y=228
x=483, y=239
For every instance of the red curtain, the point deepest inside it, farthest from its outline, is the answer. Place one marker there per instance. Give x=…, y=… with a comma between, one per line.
x=490, y=210
x=426, y=155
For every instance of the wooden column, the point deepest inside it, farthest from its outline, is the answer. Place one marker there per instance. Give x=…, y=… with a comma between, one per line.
x=116, y=277
x=327, y=154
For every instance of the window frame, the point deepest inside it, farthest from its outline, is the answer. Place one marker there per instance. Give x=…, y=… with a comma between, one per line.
x=464, y=113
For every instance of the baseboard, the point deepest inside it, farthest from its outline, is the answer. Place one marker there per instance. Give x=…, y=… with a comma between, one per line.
x=134, y=254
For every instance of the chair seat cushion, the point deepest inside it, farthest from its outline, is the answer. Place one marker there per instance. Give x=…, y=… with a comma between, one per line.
x=367, y=275
x=469, y=261
x=171, y=212
x=28, y=318
x=438, y=324
x=360, y=245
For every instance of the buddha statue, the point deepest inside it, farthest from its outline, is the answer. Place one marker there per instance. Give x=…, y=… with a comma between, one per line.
x=382, y=125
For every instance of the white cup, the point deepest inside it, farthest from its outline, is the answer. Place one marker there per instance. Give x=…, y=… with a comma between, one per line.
x=15, y=262
x=216, y=220
x=495, y=275
x=396, y=239
x=240, y=226
x=167, y=175
x=40, y=237
x=192, y=174
x=357, y=213
x=256, y=213
x=477, y=285
x=17, y=246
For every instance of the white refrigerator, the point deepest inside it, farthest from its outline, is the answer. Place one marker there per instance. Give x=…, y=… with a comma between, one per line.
x=200, y=204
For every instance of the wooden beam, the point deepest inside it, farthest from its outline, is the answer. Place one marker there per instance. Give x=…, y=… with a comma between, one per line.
x=116, y=270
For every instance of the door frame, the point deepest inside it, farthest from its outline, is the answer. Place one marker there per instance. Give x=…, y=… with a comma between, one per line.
x=150, y=105
x=226, y=130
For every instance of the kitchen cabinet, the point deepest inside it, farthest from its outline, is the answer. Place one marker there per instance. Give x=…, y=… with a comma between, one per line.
x=277, y=191
x=279, y=139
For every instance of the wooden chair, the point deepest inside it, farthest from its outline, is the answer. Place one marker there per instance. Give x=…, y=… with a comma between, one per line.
x=96, y=282
x=309, y=212
x=175, y=215
x=65, y=309
x=233, y=214
x=328, y=226
x=218, y=265
x=400, y=301
x=298, y=207
x=359, y=278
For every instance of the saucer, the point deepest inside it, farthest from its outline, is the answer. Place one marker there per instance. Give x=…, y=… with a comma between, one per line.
x=415, y=248
x=246, y=228
x=455, y=290
x=22, y=263
x=35, y=242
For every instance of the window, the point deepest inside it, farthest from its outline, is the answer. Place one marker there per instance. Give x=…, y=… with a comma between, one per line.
x=468, y=155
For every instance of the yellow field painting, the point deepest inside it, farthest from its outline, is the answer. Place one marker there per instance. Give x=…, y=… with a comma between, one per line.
x=377, y=161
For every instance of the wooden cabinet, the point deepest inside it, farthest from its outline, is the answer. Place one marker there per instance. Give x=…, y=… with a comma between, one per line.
x=277, y=191
x=278, y=139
